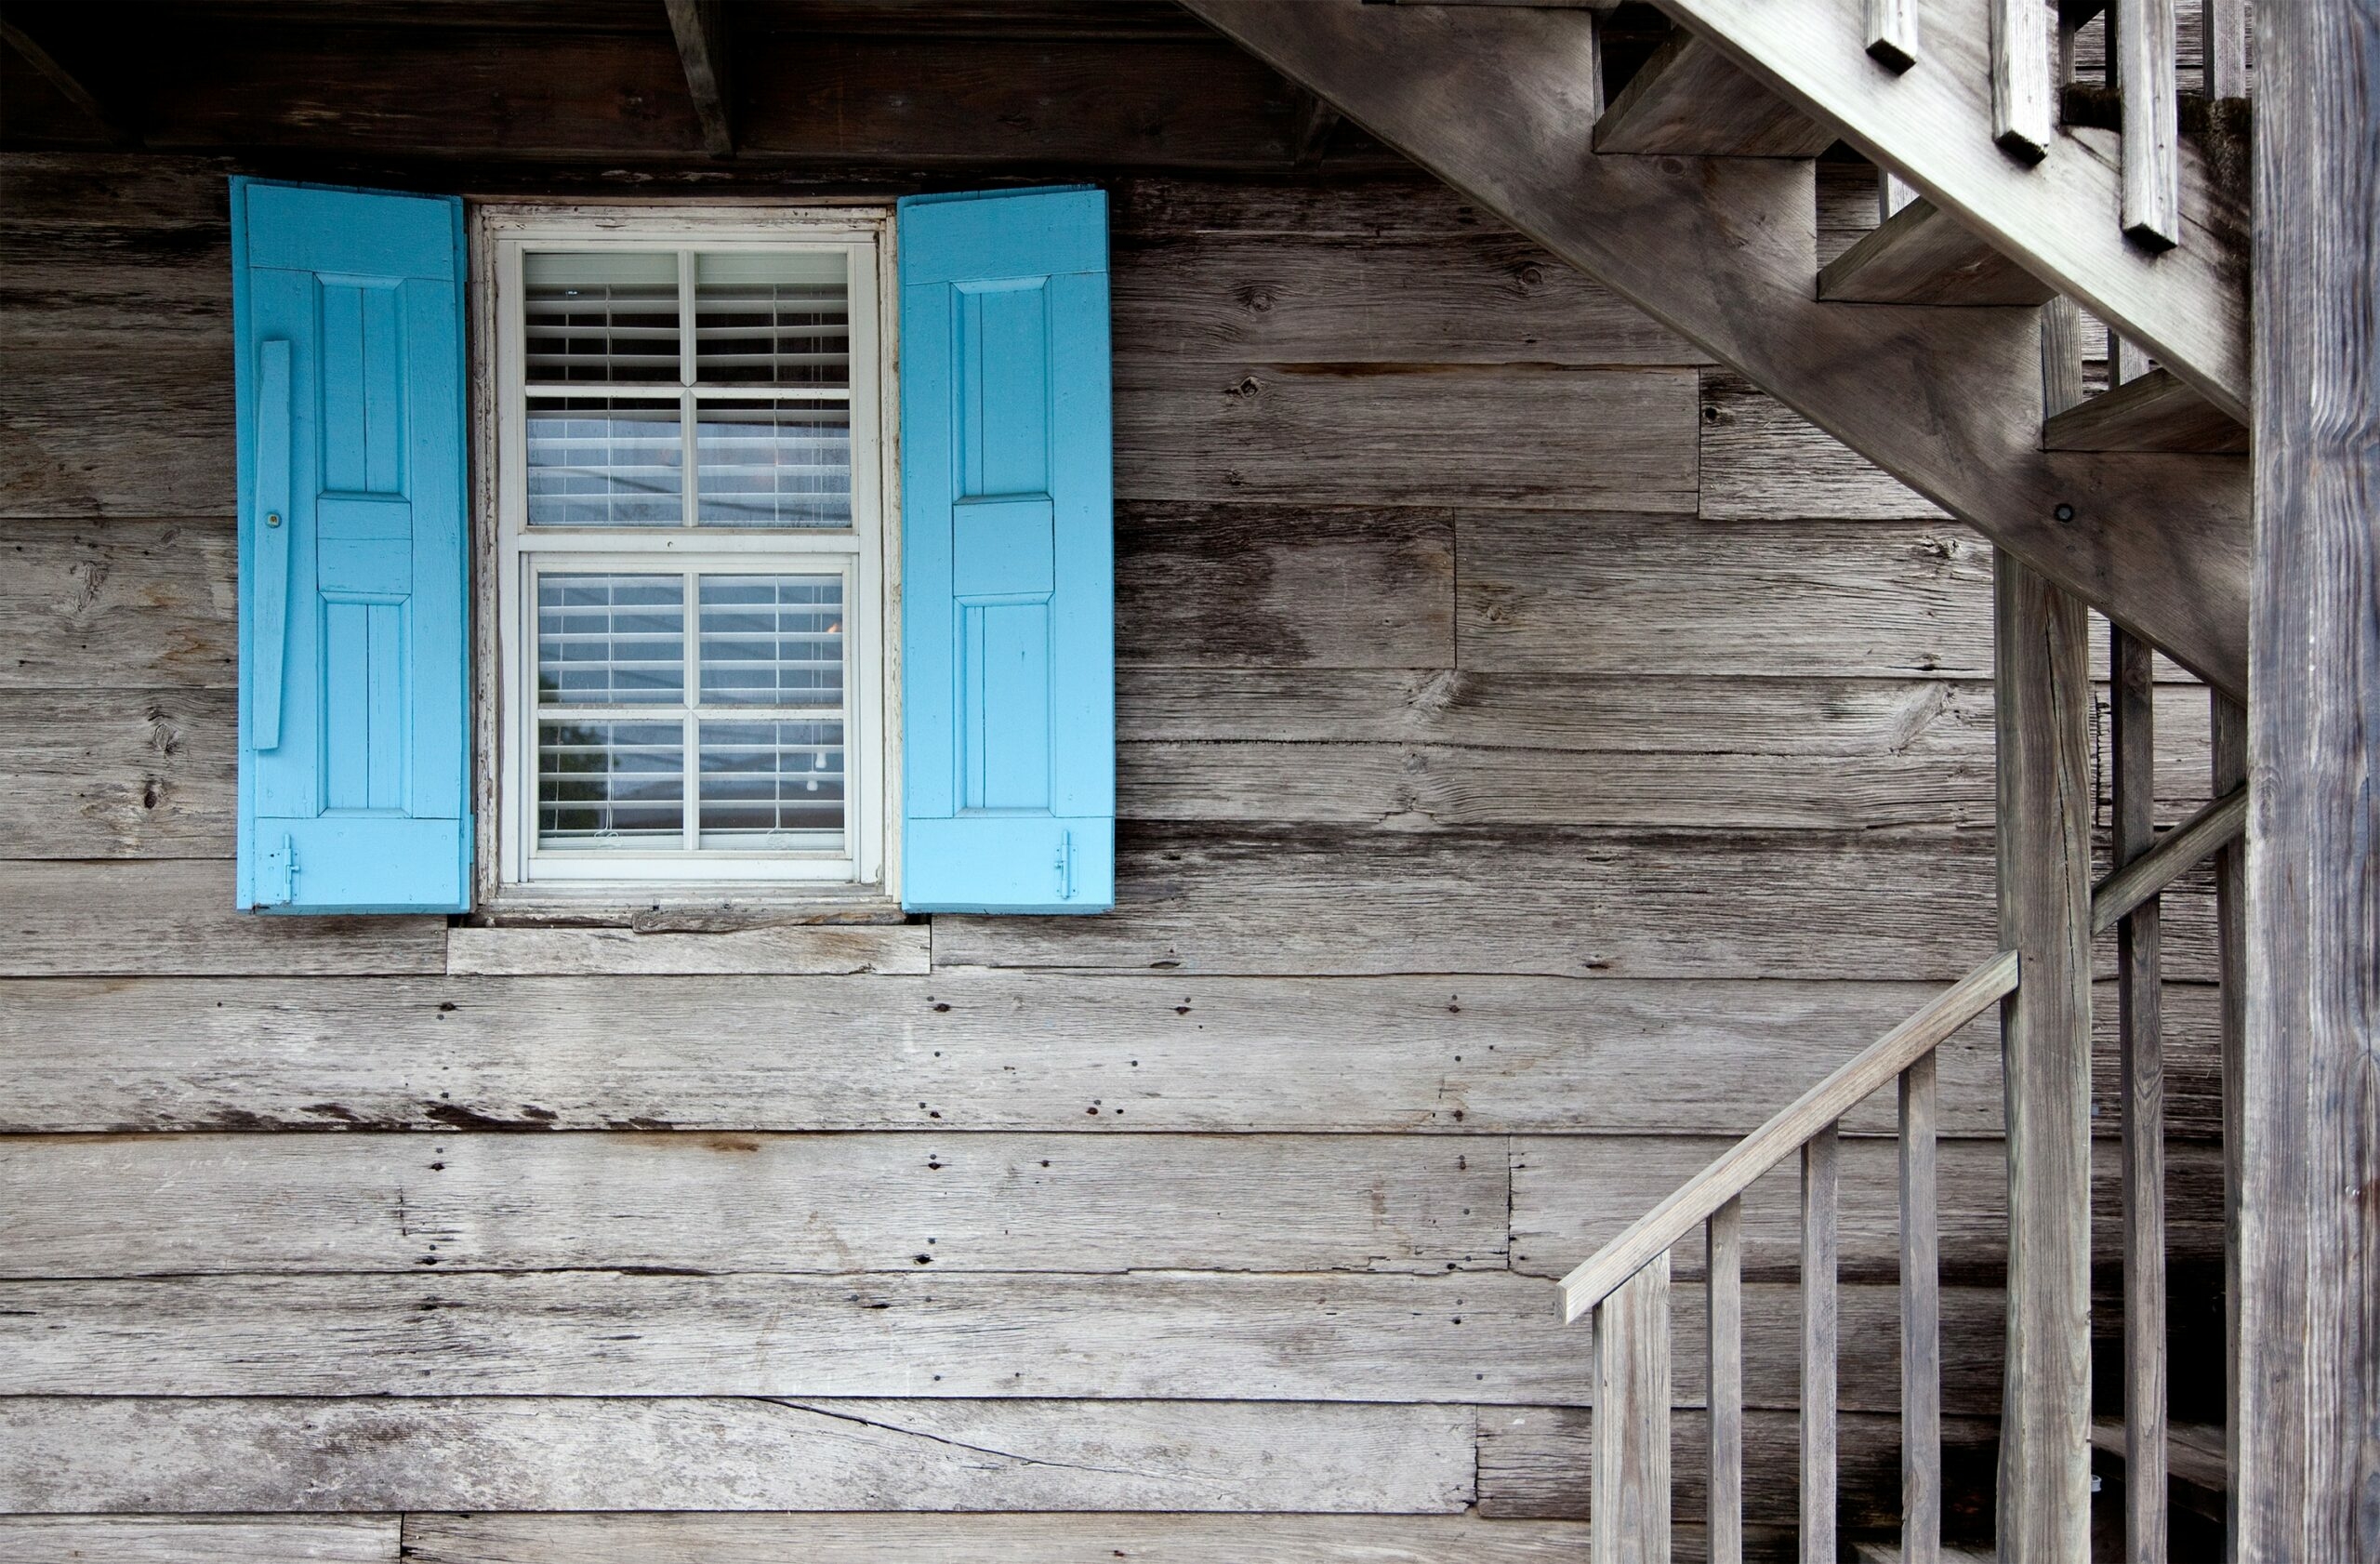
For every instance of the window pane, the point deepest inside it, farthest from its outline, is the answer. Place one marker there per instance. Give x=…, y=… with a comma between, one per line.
x=610, y=784
x=774, y=319
x=772, y=464
x=604, y=461
x=772, y=639
x=611, y=640
x=606, y=319
x=772, y=784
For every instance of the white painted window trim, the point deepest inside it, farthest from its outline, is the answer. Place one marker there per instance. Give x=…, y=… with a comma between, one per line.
x=513, y=872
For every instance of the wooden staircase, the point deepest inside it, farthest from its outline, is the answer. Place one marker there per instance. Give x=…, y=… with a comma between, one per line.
x=1946, y=347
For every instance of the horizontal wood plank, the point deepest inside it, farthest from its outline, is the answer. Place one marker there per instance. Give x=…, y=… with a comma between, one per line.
x=163, y=916
x=1354, y=435
x=1543, y=593
x=1922, y=255
x=1762, y=461
x=1482, y=1338
x=785, y=949
x=215, y=1204
x=2153, y=412
x=126, y=606
x=684, y=1453
x=959, y=1051
x=117, y=772
x=212, y=1539
x=987, y=1539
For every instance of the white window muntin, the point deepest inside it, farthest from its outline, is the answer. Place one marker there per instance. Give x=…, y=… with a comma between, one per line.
x=857, y=552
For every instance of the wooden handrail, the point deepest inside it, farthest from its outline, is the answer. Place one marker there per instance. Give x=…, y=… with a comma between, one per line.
x=2204, y=832
x=1694, y=1203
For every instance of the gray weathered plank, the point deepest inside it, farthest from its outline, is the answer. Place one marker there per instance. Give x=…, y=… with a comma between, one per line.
x=212, y=1539
x=2145, y=75
x=1573, y=1194
x=2172, y=566
x=1689, y=100
x=1921, y=1314
x=96, y=434
x=146, y=1204
x=1357, y=434
x=959, y=1051
x=699, y=27
x=2227, y=768
x=132, y=604
x=117, y=773
x=665, y=1453
x=1821, y=1324
x=1481, y=1337
x=1723, y=1389
x=987, y=1539
x=175, y=916
x=785, y=948
x=1631, y=1402
x=1560, y=901
x=2043, y=845
x=2309, y=1268
x=2150, y=412
x=1922, y=255
x=1534, y=1460
x=1763, y=462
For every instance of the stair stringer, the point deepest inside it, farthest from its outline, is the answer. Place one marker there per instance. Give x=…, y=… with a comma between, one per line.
x=1500, y=103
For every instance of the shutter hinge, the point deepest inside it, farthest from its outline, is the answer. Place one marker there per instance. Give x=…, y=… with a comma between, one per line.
x=1065, y=866
x=277, y=884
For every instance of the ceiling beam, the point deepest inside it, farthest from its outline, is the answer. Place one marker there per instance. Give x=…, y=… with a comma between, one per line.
x=701, y=30
x=1501, y=104
x=69, y=85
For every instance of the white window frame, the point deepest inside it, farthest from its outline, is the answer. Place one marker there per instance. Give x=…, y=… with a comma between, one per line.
x=517, y=869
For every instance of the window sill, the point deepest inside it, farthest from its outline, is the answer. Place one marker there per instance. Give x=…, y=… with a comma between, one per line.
x=847, y=936
x=657, y=909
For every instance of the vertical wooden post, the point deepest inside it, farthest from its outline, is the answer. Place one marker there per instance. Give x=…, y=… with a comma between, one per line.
x=1920, y=1322
x=2230, y=723
x=2042, y=689
x=2141, y=39
x=2141, y=1071
x=2020, y=87
x=1723, y=1250
x=1630, y=1497
x=1821, y=1165
x=2309, y=1125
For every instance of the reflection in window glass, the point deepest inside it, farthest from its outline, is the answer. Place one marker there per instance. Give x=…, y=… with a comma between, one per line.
x=772, y=318
x=772, y=639
x=607, y=319
x=610, y=784
x=772, y=784
x=611, y=640
x=774, y=464
x=604, y=461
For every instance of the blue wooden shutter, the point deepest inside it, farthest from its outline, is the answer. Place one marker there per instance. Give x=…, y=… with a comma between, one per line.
x=354, y=739
x=1008, y=554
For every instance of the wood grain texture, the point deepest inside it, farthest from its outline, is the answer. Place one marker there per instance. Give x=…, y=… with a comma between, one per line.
x=1821, y=1327
x=1763, y=462
x=57, y=1539
x=116, y=773
x=1487, y=435
x=2044, y=913
x=161, y=916
x=1688, y=100
x=1570, y=1196
x=1723, y=1382
x=2156, y=411
x=1631, y=1402
x=2310, y=1229
x=2145, y=37
x=1921, y=1314
x=699, y=28
x=678, y=1453
x=129, y=606
x=987, y=1539
x=1251, y=899
x=787, y=949
x=1496, y=102
x=958, y=1052
x=1542, y=593
x=1452, y=1339
x=1922, y=255
x=146, y=1205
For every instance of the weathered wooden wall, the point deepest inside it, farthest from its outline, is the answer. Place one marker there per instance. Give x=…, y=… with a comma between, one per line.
x=1542, y=756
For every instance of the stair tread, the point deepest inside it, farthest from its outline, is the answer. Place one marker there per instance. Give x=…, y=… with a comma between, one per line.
x=1922, y=255
x=1688, y=99
x=2193, y=1451
x=1887, y=1551
x=2156, y=412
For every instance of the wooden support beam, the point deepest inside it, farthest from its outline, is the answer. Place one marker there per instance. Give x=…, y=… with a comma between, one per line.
x=2158, y=411
x=2309, y=1238
x=69, y=85
x=1892, y=33
x=2208, y=830
x=1310, y=135
x=1499, y=103
x=1922, y=255
x=700, y=27
x=1690, y=100
x=1935, y=125
x=2141, y=1073
x=2043, y=698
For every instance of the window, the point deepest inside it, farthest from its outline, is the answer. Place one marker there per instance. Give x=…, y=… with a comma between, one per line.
x=690, y=602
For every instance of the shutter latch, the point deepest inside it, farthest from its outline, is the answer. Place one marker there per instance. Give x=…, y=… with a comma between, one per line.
x=278, y=883
x=1065, y=866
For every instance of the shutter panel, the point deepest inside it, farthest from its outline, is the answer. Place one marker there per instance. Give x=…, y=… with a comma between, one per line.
x=1007, y=575
x=354, y=741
